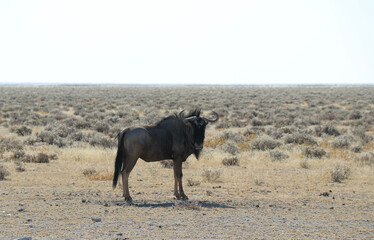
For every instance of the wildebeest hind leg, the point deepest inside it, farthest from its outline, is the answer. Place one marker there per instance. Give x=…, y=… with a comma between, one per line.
x=130, y=163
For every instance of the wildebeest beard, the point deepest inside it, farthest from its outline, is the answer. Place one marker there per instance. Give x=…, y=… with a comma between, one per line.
x=197, y=153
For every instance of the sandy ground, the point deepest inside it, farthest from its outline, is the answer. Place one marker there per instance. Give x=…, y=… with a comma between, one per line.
x=250, y=201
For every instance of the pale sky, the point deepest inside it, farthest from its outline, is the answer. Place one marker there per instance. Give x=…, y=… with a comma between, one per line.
x=187, y=42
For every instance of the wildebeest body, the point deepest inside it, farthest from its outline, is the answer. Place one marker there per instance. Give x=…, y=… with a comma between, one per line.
x=175, y=137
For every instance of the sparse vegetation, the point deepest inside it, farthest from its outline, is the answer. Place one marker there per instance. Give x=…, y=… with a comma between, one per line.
x=314, y=152
x=3, y=172
x=231, y=161
x=276, y=155
x=339, y=173
x=167, y=163
x=292, y=142
x=210, y=175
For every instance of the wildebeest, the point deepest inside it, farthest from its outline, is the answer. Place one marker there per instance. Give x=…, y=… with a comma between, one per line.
x=175, y=137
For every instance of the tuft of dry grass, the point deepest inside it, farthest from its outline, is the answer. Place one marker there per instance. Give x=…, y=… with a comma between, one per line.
x=89, y=172
x=20, y=166
x=304, y=164
x=259, y=181
x=101, y=176
x=191, y=182
x=231, y=161
x=167, y=163
x=214, y=142
x=210, y=175
x=3, y=172
x=340, y=172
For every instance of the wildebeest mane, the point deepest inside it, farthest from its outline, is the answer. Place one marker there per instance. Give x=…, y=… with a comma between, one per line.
x=181, y=116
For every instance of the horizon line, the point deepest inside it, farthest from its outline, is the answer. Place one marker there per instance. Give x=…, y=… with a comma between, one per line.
x=185, y=84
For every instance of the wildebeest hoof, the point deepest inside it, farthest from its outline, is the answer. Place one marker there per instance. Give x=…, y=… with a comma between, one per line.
x=128, y=199
x=184, y=197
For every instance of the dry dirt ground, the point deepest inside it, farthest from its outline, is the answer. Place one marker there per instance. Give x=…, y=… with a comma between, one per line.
x=257, y=200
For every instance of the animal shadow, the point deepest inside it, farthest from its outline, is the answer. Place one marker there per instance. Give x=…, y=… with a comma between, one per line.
x=173, y=204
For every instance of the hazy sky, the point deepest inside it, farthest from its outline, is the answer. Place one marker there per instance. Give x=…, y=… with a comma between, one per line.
x=187, y=42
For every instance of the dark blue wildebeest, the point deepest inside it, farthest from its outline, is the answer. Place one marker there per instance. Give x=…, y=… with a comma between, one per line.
x=175, y=137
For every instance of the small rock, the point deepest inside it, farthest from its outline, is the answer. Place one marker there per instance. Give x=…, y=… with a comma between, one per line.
x=84, y=200
x=331, y=207
x=325, y=194
x=257, y=205
x=149, y=223
x=21, y=210
x=96, y=219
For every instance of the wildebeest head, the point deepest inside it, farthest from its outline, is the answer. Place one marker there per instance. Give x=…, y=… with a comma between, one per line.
x=198, y=125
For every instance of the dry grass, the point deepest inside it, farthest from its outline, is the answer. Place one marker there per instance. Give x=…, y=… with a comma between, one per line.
x=101, y=176
x=83, y=171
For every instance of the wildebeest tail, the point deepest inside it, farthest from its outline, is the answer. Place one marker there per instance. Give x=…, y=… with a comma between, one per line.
x=119, y=158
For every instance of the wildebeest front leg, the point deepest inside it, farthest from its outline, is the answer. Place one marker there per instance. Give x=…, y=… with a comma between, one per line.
x=177, y=166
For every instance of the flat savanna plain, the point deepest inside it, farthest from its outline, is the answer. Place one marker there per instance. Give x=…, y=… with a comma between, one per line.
x=281, y=163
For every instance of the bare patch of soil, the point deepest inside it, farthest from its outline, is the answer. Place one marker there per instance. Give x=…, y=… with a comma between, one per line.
x=56, y=200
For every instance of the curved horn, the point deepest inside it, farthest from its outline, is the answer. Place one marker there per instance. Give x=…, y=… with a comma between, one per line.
x=212, y=120
x=181, y=114
x=192, y=117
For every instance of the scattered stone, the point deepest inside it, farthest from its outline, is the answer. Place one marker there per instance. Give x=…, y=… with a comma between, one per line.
x=84, y=200
x=96, y=219
x=331, y=207
x=21, y=210
x=257, y=205
x=325, y=194
x=149, y=223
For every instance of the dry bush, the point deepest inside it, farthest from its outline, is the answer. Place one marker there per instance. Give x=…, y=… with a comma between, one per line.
x=231, y=148
x=314, y=152
x=20, y=166
x=42, y=158
x=21, y=131
x=28, y=158
x=299, y=138
x=258, y=181
x=167, y=163
x=214, y=142
x=304, y=164
x=210, y=175
x=101, y=176
x=231, y=161
x=366, y=158
x=276, y=155
x=19, y=154
x=191, y=182
x=327, y=128
x=7, y=144
x=89, y=172
x=356, y=149
x=264, y=143
x=3, y=172
x=343, y=141
x=339, y=173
